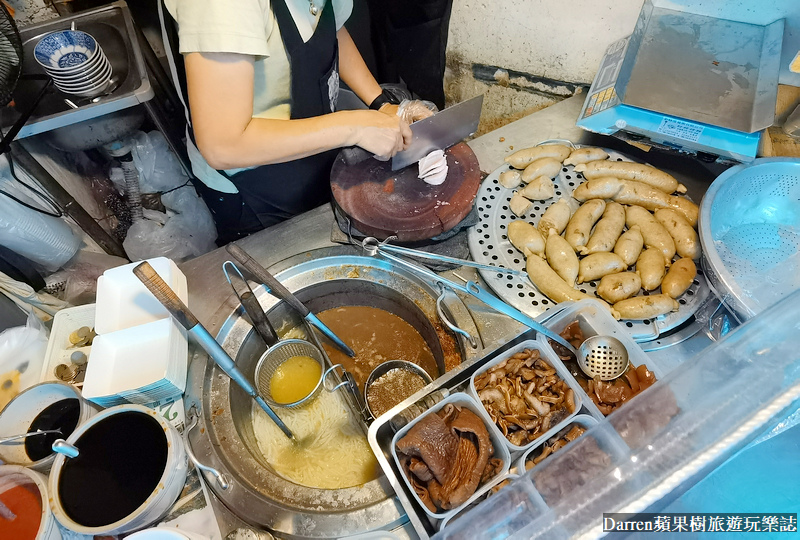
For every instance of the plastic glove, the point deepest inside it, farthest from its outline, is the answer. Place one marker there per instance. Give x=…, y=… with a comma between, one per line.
x=412, y=110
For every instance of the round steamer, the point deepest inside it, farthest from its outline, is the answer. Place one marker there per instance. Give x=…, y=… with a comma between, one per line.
x=383, y=203
x=489, y=244
x=110, y=426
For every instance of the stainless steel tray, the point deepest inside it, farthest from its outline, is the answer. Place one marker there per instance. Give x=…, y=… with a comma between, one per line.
x=489, y=244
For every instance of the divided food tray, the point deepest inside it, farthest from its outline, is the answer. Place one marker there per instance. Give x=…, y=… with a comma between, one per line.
x=384, y=432
x=489, y=244
x=59, y=348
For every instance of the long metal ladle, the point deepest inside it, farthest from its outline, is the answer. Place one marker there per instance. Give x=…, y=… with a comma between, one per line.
x=592, y=353
x=181, y=313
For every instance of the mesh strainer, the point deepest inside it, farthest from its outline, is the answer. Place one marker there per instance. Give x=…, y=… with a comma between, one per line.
x=750, y=233
x=280, y=353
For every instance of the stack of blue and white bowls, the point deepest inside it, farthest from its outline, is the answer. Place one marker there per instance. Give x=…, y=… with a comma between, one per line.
x=75, y=61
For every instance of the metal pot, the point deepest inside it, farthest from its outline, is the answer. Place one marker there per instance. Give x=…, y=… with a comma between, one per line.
x=225, y=439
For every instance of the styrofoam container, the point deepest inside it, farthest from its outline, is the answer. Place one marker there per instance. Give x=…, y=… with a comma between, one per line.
x=165, y=533
x=548, y=355
x=156, y=505
x=12, y=476
x=500, y=450
x=123, y=301
x=59, y=348
x=584, y=420
x=142, y=364
x=594, y=319
x=18, y=414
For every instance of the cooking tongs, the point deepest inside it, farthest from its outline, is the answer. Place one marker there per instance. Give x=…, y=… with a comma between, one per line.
x=276, y=287
x=373, y=247
x=250, y=303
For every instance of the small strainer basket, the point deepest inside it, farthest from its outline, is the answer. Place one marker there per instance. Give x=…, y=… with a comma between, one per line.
x=749, y=229
x=280, y=353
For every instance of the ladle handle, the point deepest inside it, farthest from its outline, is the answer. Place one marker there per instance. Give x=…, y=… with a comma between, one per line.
x=164, y=294
x=263, y=275
x=258, y=318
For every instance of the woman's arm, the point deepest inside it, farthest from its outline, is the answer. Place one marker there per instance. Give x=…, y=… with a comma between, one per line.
x=353, y=71
x=220, y=87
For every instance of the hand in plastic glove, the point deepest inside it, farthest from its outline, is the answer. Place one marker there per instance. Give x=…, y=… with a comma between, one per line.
x=410, y=110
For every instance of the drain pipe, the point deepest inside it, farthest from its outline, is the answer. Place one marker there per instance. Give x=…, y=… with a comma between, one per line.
x=122, y=152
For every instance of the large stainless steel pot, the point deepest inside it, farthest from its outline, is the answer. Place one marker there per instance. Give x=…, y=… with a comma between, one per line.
x=224, y=437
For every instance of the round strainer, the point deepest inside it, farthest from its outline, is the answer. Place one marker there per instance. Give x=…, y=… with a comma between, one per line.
x=277, y=355
x=604, y=357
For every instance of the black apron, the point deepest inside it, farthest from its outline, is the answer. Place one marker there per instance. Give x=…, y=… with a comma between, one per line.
x=270, y=194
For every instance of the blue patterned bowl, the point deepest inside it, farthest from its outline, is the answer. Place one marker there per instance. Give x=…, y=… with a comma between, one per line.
x=65, y=50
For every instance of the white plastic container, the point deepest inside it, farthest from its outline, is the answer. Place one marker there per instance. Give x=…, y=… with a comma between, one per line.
x=143, y=364
x=15, y=475
x=65, y=322
x=481, y=495
x=160, y=500
x=17, y=416
x=594, y=319
x=500, y=450
x=123, y=301
x=584, y=420
x=548, y=355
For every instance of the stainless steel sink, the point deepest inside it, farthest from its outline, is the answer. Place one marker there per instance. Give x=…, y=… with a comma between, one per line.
x=113, y=28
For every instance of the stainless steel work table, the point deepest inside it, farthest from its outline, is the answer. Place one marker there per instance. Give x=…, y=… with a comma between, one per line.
x=209, y=293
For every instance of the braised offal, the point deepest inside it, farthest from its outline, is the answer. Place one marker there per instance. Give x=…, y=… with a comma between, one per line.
x=446, y=456
x=524, y=396
x=607, y=395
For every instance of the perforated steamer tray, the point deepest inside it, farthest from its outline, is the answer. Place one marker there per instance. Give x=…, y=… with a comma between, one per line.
x=489, y=244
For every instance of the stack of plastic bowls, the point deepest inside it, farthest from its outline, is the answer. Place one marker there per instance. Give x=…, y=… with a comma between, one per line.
x=75, y=61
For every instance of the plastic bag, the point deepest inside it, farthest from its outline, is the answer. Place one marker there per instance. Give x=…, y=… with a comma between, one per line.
x=159, y=169
x=187, y=232
x=43, y=239
x=22, y=351
x=412, y=110
x=82, y=273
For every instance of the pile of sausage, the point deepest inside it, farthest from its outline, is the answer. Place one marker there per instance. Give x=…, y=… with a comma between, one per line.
x=629, y=225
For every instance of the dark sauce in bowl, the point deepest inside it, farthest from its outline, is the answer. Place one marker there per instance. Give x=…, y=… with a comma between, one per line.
x=121, y=461
x=62, y=415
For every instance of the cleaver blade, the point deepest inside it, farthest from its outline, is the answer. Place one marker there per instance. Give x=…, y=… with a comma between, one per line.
x=440, y=131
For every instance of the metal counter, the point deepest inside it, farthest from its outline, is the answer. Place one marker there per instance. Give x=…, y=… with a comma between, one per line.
x=209, y=292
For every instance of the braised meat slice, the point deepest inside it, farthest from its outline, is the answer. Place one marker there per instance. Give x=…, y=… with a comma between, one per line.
x=434, y=443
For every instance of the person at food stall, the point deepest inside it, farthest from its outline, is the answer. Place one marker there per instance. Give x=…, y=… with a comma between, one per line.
x=262, y=79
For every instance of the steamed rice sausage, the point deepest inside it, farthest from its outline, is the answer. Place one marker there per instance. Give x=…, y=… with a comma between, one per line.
x=510, y=179
x=651, y=267
x=638, y=193
x=585, y=155
x=525, y=236
x=597, y=265
x=629, y=245
x=646, y=307
x=632, y=171
x=686, y=242
x=549, y=167
x=522, y=158
x=580, y=224
x=561, y=257
x=653, y=232
x=539, y=189
x=519, y=204
x=679, y=278
x=551, y=285
x=616, y=287
x=555, y=217
x=607, y=230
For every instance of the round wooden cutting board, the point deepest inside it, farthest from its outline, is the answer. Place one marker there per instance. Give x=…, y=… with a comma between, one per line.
x=382, y=203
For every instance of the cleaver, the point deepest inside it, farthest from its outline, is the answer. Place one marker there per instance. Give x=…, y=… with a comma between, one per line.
x=440, y=131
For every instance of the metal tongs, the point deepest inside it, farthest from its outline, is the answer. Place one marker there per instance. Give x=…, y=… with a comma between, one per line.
x=373, y=247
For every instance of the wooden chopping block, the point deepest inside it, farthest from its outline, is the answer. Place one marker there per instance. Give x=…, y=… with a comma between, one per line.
x=382, y=203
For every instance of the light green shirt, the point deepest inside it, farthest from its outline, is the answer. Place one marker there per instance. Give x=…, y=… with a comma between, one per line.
x=248, y=27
